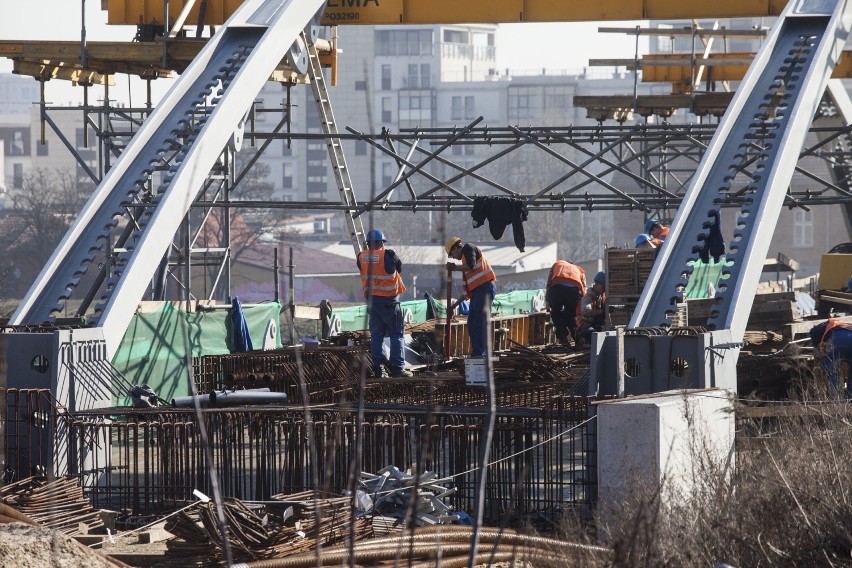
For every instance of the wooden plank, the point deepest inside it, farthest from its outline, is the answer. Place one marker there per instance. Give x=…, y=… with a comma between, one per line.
x=793, y=331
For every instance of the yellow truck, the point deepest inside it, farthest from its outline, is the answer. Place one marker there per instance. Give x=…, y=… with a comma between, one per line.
x=835, y=273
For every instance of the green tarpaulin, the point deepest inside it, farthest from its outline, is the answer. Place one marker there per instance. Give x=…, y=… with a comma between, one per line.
x=155, y=346
x=511, y=303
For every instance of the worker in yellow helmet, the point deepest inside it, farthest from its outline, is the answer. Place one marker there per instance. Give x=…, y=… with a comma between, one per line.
x=479, y=286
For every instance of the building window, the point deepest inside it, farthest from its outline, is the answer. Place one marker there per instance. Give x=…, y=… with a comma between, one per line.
x=16, y=141
x=425, y=76
x=413, y=79
x=469, y=107
x=259, y=114
x=17, y=176
x=803, y=228
x=523, y=102
x=360, y=148
x=404, y=42
x=456, y=108
x=455, y=36
x=388, y=173
x=387, y=114
x=360, y=85
x=78, y=135
x=287, y=176
x=416, y=109
x=665, y=44
x=386, y=77
x=557, y=98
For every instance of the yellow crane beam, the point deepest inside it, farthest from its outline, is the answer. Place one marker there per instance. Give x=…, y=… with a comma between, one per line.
x=678, y=69
x=341, y=12
x=45, y=60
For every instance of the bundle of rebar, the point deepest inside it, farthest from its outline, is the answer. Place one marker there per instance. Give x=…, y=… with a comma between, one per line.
x=255, y=531
x=58, y=504
x=525, y=364
x=448, y=547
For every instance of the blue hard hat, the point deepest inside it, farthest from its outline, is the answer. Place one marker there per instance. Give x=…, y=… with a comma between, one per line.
x=641, y=238
x=649, y=224
x=600, y=278
x=375, y=236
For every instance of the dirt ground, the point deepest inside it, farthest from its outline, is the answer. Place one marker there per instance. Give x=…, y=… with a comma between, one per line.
x=24, y=546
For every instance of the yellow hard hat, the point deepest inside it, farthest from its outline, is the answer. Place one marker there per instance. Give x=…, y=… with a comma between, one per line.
x=451, y=242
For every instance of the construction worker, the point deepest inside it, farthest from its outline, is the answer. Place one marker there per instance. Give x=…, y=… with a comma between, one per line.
x=380, y=276
x=594, y=315
x=479, y=287
x=566, y=283
x=657, y=230
x=644, y=241
x=833, y=342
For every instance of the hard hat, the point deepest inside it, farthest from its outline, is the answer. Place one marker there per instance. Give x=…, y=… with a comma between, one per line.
x=375, y=236
x=649, y=224
x=642, y=238
x=451, y=242
x=600, y=278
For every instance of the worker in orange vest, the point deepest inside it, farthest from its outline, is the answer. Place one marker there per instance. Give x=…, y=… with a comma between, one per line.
x=657, y=231
x=566, y=284
x=380, y=277
x=479, y=287
x=833, y=342
x=593, y=314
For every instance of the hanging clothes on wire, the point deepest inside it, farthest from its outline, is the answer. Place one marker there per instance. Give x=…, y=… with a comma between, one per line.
x=714, y=243
x=500, y=212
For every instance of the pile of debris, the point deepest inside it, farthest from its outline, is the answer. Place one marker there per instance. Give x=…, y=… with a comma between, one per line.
x=393, y=495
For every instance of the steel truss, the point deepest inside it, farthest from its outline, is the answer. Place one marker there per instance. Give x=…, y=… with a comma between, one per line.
x=645, y=167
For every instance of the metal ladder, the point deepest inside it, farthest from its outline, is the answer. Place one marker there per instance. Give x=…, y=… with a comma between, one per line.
x=335, y=149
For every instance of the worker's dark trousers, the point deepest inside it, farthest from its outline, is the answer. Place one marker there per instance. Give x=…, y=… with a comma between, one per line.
x=386, y=320
x=563, y=302
x=838, y=347
x=482, y=295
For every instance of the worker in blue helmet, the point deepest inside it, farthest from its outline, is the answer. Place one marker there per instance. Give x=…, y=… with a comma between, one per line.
x=657, y=231
x=381, y=278
x=643, y=241
x=832, y=340
x=593, y=313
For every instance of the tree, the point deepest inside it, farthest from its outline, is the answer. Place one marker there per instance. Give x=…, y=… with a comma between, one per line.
x=47, y=202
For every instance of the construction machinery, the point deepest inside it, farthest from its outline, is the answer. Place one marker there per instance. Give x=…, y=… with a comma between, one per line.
x=833, y=295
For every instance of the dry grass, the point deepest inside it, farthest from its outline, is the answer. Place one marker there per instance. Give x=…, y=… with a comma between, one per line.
x=789, y=502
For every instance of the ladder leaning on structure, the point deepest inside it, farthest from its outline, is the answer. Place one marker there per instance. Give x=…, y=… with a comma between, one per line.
x=335, y=149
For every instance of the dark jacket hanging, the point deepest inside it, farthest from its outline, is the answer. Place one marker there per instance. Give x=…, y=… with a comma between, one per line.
x=500, y=212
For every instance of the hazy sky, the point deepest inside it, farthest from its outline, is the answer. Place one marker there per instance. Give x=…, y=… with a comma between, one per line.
x=519, y=46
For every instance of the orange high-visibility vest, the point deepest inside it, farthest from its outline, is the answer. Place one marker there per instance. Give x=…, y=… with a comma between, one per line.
x=830, y=325
x=663, y=234
x=478, y=275
x=563, y=272
x=375, y=279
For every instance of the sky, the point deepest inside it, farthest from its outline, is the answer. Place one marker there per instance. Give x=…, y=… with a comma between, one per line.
x=520, y=47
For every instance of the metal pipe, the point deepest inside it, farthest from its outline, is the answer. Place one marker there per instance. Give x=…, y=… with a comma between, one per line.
x=619, y=354
x=275, y=274
x=253, y=396
x=291, y=300
x=447, y=332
